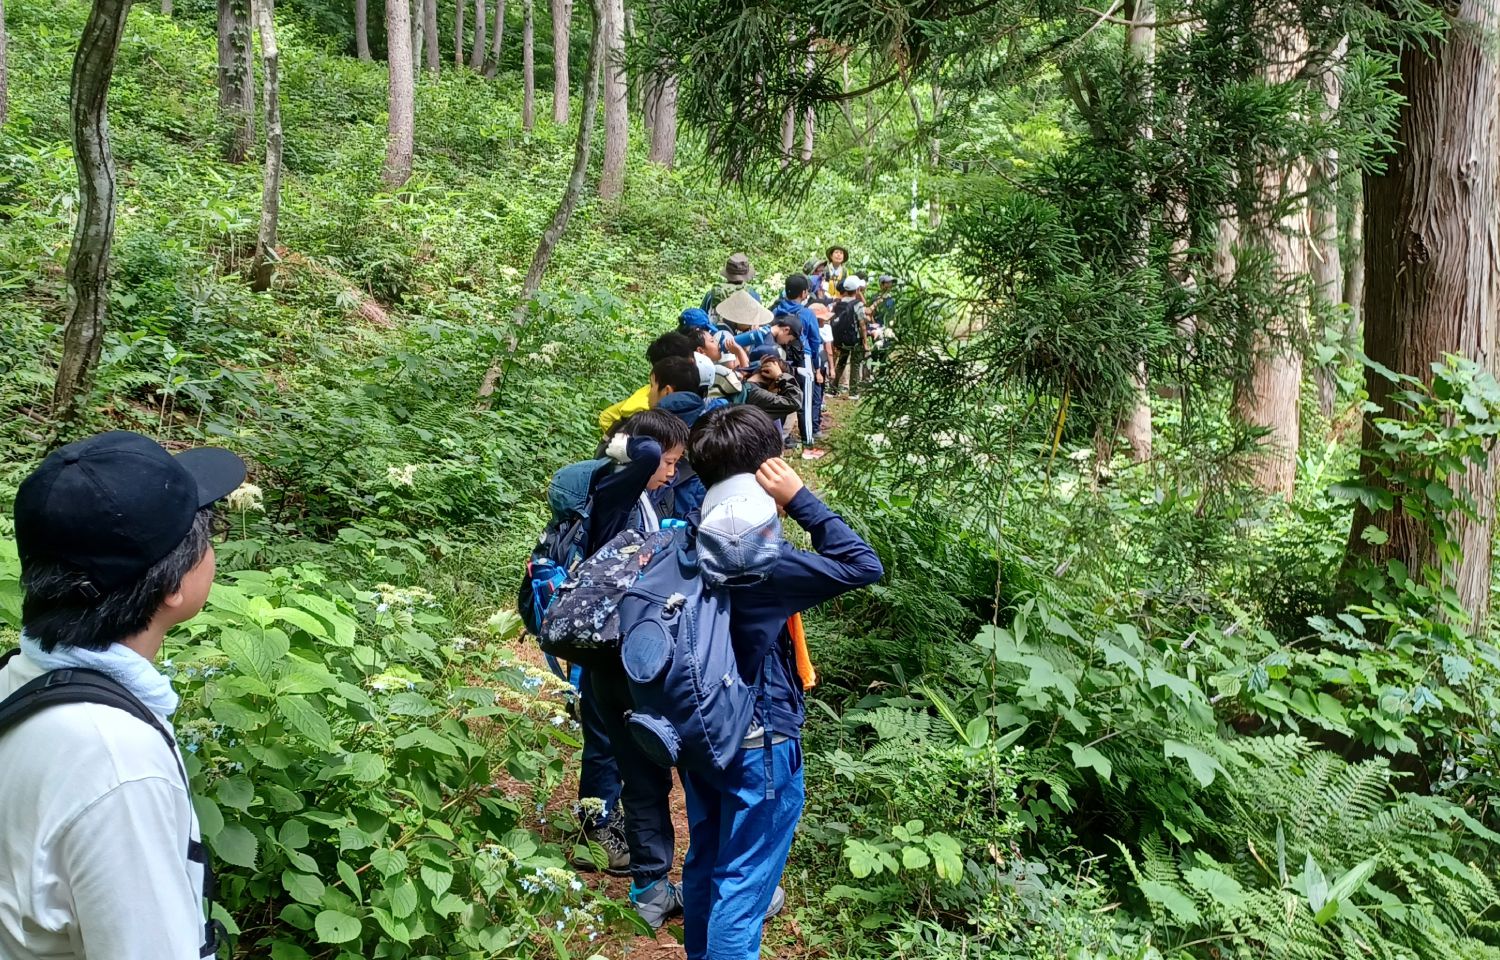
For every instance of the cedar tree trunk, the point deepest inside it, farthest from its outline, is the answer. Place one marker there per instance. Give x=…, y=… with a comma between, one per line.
x=497, y=41
x=401, y=97
x=477, y=51
x=270, y=198
x=528, y=68
x=87, y=274
x=1140, y=45
x=458, y=33
x=362, y=30
x=236, y=78
x=433, y=56
x=1433, y=271
x=616, y=103
x=562, y=27
x=1323, y=224
x=664, y=123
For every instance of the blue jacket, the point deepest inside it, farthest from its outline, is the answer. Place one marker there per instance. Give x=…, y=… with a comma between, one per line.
x=618, y=491
x=686, y=492
x=812, y=338
x=801, y=581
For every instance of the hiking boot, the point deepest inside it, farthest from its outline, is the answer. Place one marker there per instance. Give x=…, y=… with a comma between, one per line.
x=778, y=900
x=611, y=837
x=657, y=903
x=812, y=453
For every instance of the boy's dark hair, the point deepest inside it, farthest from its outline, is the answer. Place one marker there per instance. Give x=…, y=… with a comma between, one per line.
x=659, y=425
x=679, y=373
x=670, y=344
x=796, y=286
x=57, y=611
x=699, y=336
x=732, y=440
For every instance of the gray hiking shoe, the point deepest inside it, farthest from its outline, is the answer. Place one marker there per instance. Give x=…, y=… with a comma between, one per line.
x=610, y=837
x=778, y=900
x=657, y=903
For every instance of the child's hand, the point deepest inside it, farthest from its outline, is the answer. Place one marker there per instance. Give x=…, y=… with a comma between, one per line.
x=779, y=480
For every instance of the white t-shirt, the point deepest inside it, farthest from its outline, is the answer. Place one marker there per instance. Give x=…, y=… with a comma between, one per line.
x=825, y=330
x=94, y=830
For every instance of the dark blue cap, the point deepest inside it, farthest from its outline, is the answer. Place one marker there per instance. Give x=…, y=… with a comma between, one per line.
x=114, y=504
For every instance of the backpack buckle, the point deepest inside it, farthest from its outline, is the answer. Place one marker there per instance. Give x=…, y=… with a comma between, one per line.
x=59, y=676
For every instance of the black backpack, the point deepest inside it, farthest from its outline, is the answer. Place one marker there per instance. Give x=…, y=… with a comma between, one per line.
x=845, y=324
x=79, y=685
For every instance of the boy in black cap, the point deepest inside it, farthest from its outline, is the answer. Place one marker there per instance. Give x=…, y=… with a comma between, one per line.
x=100, y=853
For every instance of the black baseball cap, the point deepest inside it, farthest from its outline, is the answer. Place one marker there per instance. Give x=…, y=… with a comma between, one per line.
x=114, y=504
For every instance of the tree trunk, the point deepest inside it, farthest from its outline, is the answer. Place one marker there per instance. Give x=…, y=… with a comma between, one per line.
x=562, y=26
x=616, y=103
x=1354, y=269
x=458, y=33
x=528, y=68
x=934, y=156
x=651, y=91
x=236, y=78
x=1323, y=226
x=362, y=30
x=477, y=52
x=1267, y=398
x=1140, y=45
x=166, y=8
x=88, y=258
x=664, y=124
x=788, y=135
x=497, y=41
x=571, y=193
x=4, y=70
x=270, y=198
x=809, y=118
x=418, y=37
x=1433, y=271
x=434, y=55
x=400, y=98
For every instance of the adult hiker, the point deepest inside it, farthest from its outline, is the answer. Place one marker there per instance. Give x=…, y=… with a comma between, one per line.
x=100, y=850
x=835, y=271
x=807, y=364
x=851, y=334
x=737, y=274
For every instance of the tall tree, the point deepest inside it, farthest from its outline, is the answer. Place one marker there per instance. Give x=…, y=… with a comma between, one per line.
x=1432, y=284
x=1140, y=46
x=562, y=29
x=400, y=95
x=616, y=102
x=4, y=70
x=528, y=68
x=664, y=123
x=236, y=78
x=497, y=41
x=1323, y=227
x=88, y=273
x=166, y=8
x=362, y=29
x=572, y=192
x=270, y=198
x=477, y=52
x=1267, y=397
x=458, y=33
x=433, y=55
x=419, y=40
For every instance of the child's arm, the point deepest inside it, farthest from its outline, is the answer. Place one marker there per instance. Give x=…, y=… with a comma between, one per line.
x=843, y=560
x=616, y=492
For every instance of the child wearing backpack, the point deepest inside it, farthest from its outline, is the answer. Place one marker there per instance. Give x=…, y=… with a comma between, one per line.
x=741, y=821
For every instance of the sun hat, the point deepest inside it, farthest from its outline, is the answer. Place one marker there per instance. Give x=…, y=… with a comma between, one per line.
x=739, y=536
x=743, y=310
x=821, y=310
x=852, y=284
x=887, y=278
x=841, y=249
x=705, y=370
x=112, y=505
x=737, y=269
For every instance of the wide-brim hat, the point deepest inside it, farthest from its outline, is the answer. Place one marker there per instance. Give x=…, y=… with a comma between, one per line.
x=742, y=310
x=821, y=310
x=840, y=248
x=737, y=269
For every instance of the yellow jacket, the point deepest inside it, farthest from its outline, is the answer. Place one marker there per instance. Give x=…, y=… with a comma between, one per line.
x=629, y=407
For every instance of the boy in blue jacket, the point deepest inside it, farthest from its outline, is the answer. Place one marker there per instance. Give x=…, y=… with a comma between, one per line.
x=740, y=822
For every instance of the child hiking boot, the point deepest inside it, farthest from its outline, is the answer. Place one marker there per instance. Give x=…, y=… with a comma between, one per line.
x=658, y=902
x=610, y=837
x=778, y=900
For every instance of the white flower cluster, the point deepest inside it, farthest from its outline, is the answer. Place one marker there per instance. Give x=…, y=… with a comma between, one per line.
x=383, y=682
x=246, y=497
x=393, y=596
x=546, y=356
x=402, y=476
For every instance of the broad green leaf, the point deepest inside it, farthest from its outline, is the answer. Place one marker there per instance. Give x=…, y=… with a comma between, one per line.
x=326, y=610
x=864, y=858
x=1203, y=766
x=388, y=862
x=251, y=654
x=947, y=856
x=1374, y=535
x=1220, y=886
x=1085, y=757
x=1115, y=656
x=914, y=858
x=393, y=927
x=428, y=740
x=1181, y=687
x=210, y=820
x=350, y=878
x=1314, y=884
x=236, y=845
x=447, y=905
x=303, y=676
x=336, y=927
x=410, y=704
x=236, y=792
x=306, y=720
x=303, y=887
x=235, y=715
x=404, y=899
x=353, y=838
x=285, y=950
x=302, y=620
x=438, y=881
x=977, y=733
x=366, y=767
x=293, y=834
x=1177, y=903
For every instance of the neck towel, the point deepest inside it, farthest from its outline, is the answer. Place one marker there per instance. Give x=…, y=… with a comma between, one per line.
x=120, y=663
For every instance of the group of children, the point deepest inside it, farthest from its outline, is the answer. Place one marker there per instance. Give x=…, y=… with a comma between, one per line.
x=700, y=446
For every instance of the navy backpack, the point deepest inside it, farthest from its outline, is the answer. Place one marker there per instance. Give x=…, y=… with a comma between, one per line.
x=692, y=707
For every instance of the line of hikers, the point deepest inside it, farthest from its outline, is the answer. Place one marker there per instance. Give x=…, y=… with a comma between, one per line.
x=664, y=582
x=663, y=579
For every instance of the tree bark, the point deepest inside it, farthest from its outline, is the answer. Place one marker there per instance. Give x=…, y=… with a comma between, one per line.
x=1354, y=268
x=528, y=68
x=1323, y=224
x=664, y=124
x=1267, y=398
x=788, y=135
x=571, y=193
x=1433, y=268
x=477, y=52
x=497, y=41
x=400, y=95
x=4, y=70
x=1140, y=46
x=236, y=78
x=433, y=54
x=418, y=36
x=88, y=274
x=458, y=33
x=809, y=118
x=166, y=8
x=616, y=103
x=270, y=199
x=362, y=30
x=562, y=27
